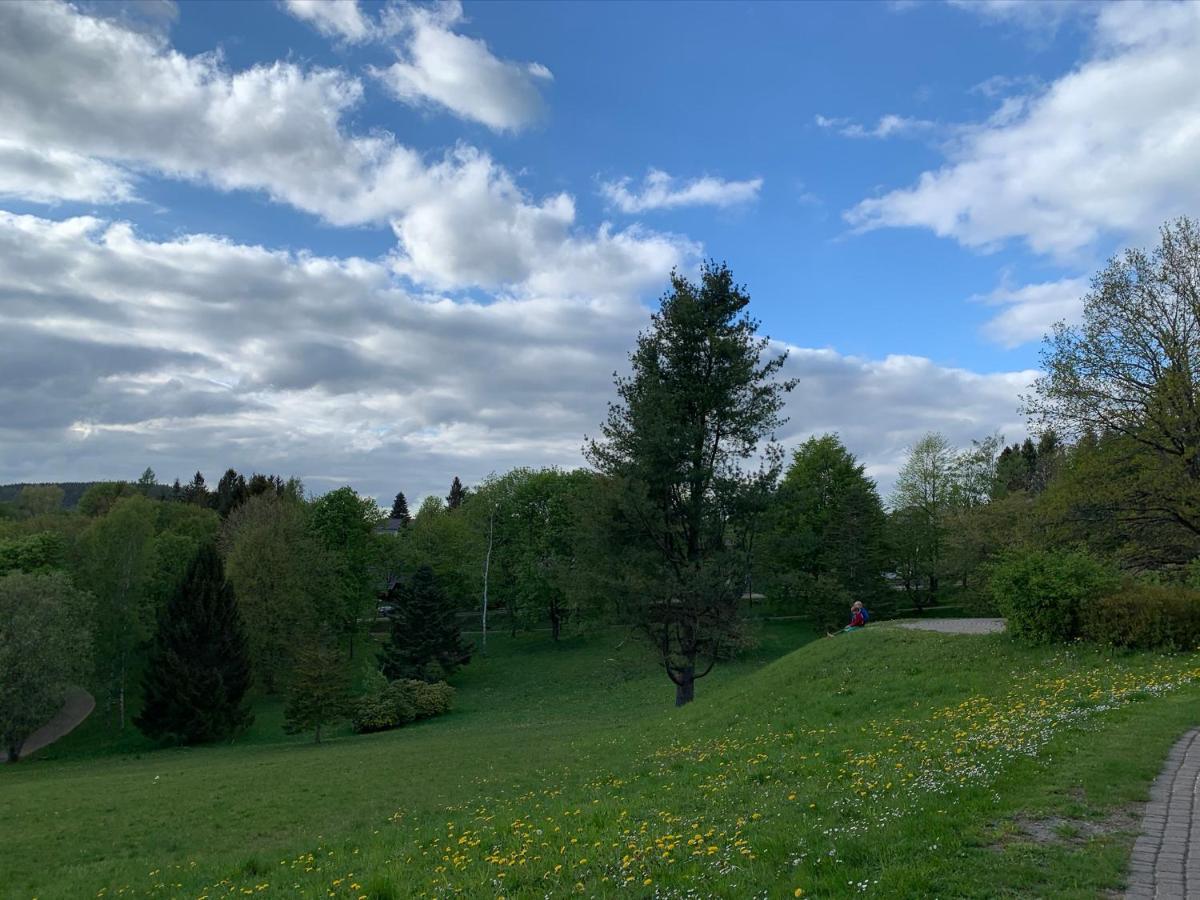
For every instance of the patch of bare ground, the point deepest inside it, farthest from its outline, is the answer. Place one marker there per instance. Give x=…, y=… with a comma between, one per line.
x=1068, y=830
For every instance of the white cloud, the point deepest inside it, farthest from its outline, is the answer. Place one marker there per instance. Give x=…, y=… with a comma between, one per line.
x=880, y=407
x=198, y=352
x=1034, y=15
x=1030, y=311
x=478, y=229
x=437, y=67
x=890, y=125
x=340, y=19
x=661, y=191
x=1111, y=147
x=50, y=176
x=77, y=86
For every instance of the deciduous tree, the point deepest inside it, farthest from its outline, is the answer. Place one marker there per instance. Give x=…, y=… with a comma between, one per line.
x=318, y=692
x=45, y=646
x=1130, y=373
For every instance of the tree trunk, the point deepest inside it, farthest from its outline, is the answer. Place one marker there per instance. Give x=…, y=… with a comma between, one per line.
x=685, y=686
x=317, y=736
x=487, y=564
x=555, y=621
x=121, y=695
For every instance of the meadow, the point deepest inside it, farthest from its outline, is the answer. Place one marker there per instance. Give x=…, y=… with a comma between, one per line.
x=886, y=763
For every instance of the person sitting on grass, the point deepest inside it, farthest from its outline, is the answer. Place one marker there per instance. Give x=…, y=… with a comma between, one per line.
x=858, y=617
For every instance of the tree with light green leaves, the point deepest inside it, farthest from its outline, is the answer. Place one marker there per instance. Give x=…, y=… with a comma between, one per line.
x=1127, y=378
x=40, y=499
x=924, y=494
x=45, y=647
x=280, y=576
x=344, y=526
x=318, y=691
x=118, y=557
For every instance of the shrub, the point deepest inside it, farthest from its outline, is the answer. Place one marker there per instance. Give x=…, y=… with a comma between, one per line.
x=1042, y=592
x=385, y=704
x=1146, y=617
x=823, y=601
x=431, y=699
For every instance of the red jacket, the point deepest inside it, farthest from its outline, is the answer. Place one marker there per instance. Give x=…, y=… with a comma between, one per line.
x=857, y=620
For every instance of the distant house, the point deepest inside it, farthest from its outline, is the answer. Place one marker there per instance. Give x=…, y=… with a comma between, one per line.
x=389, y=526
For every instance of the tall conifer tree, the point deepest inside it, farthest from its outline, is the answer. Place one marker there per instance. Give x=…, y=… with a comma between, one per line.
x=426, y=641
x=457, y=494
x=199, y=669
x=400, y=509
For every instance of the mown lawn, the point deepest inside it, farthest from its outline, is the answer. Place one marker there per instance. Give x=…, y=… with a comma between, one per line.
x=888, y=763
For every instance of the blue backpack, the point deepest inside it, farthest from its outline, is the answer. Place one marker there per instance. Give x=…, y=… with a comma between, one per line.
x=866, y=616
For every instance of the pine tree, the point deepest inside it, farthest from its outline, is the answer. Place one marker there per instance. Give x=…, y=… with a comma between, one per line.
x=457, y=494
x=319, y=693
x=196, y=491
x=147, y=482
x=426, y=642
x=177, y=491
x=231, y=493
x=199, y=669
x=400, y=509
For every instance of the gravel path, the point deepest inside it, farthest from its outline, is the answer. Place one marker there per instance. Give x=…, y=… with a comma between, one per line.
x=1166, y=858
x=957, y=626
x=77, y=707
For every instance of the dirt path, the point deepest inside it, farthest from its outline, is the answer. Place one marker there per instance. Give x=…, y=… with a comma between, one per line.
x=1166, y=858
x=957, y=626
x=77, y=707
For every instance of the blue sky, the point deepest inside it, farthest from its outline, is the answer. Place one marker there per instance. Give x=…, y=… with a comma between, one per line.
x=387, y=243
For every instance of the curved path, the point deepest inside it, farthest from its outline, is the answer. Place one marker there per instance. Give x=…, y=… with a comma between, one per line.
x=77, y=706
x=1166, y=858
x=956, y=626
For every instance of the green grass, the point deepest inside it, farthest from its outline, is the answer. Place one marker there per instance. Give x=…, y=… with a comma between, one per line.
x=888, y=762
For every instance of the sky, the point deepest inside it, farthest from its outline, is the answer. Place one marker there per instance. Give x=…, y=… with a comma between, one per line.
x=383, y=244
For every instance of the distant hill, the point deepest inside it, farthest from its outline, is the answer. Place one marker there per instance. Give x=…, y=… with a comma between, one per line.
x=72, y=491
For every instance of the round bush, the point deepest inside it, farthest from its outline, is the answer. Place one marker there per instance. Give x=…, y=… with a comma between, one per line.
x=1042, y=593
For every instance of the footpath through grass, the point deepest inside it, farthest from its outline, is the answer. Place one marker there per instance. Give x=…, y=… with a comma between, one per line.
x=888, y=762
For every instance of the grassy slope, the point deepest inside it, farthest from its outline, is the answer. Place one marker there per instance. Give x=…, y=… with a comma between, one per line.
x=887, y=762
x=102, y=806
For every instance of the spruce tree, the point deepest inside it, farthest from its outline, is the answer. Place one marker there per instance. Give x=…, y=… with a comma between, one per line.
x=177, y=491
x=425, y=642
x=199, y=669
x=319, y=692
x=457, y=494
x=196, y=491
x=400, y=509
x=231, y=493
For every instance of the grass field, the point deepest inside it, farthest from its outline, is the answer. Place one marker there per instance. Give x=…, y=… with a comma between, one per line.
x=889, y=763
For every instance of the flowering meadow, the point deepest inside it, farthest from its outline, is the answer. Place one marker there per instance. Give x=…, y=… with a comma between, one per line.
x=803, y=782
x=882, y=764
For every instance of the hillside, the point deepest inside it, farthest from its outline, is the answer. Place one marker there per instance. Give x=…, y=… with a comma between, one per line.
x=889, y=763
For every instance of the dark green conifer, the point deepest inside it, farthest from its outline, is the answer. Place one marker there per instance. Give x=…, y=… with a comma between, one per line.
x=426, y=641
x=457, y=494
x=199, y=669
x=400, y=509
